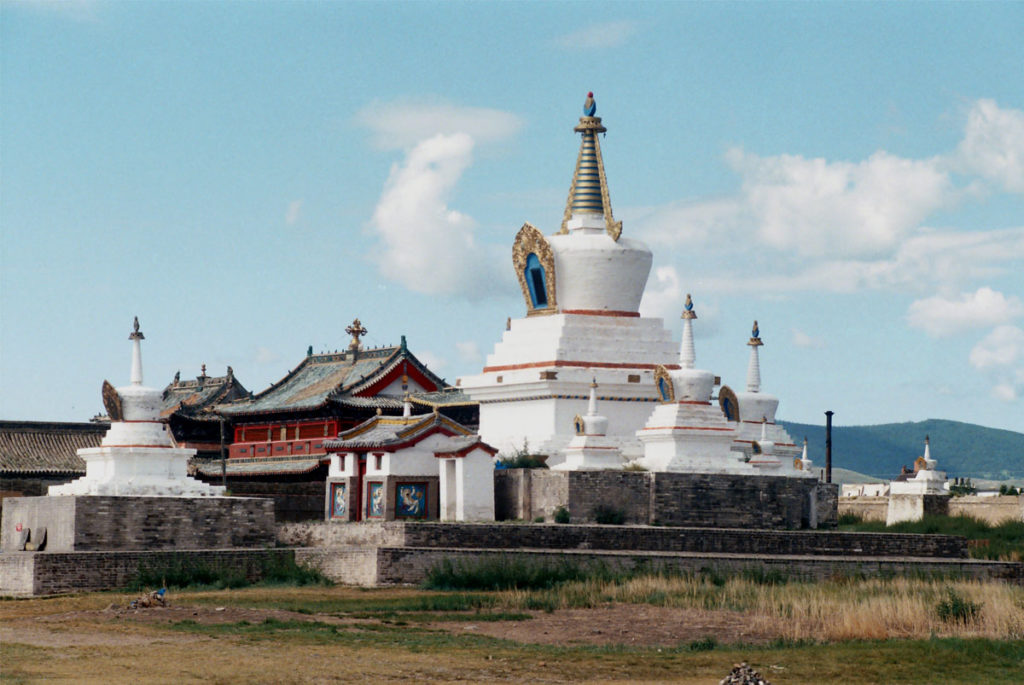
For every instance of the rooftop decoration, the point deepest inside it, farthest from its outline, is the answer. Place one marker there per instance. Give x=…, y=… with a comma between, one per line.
x=588, y=194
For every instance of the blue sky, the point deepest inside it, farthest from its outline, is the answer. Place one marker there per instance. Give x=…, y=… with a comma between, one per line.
x=249, y=177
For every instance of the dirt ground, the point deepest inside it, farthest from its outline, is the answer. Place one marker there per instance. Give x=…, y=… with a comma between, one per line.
x=614, y=624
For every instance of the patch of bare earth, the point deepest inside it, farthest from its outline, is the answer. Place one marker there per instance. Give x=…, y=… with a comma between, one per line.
x=623, y=624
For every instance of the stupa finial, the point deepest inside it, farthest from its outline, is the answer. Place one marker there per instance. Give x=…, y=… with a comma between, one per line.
x=589, y=204
x=356, y=330
x=136, y=337
x=754, y=366
x=687, y=352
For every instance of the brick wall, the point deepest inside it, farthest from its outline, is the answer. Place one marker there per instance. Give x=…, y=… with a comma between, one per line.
x=623, y=538
x=89, y=523
x=397, y=565
x=43, y=573
x=866, y=508
x=673, y=499
x=292, y=501
x=994, y=510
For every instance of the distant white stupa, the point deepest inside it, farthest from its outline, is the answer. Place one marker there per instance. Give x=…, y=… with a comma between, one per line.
x=136, y=457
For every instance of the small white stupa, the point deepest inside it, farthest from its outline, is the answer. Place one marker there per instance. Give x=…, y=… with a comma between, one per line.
x=754, y=413
x=686, y=433
x=591, y=448
x=137, y=456
x=927, y=479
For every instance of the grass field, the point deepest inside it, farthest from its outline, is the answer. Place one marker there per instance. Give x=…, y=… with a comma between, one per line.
x=871, y=631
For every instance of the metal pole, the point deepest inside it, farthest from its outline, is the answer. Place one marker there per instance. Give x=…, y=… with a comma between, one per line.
x=828, y=446
x=223, y=457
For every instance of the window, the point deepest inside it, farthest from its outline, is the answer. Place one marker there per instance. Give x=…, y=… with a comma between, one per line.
x=378, y=460
x=663, y=390
x=536, y=281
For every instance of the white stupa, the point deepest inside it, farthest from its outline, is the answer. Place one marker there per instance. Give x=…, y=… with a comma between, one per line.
x=136, y=457
x=927, y=480
x=582, y=288
x=686, y=432
x=754, y=413
x=591, y=448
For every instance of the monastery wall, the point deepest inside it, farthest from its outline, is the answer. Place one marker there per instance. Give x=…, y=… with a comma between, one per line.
x=865, y=508
x=993, y=510
x=674, y=499
x=302, y=501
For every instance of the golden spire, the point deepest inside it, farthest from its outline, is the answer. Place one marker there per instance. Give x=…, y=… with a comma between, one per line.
x=588, y=193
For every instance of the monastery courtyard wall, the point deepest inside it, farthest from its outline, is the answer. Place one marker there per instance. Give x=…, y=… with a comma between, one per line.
x=992, y=510
x=672, y=499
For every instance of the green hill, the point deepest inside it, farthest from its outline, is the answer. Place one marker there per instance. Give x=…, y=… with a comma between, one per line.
x=962, y=449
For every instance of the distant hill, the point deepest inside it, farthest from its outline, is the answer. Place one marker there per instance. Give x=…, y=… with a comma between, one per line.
x=962, y=449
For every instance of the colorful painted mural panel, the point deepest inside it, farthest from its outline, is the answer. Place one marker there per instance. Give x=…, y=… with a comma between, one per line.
x=375, y=501
x=411, y=500
x=339, y=501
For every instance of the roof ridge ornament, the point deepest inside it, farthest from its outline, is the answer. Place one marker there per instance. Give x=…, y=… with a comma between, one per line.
x=588, y=193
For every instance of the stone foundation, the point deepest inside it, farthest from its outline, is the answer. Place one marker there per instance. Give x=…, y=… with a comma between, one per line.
x=95, y=523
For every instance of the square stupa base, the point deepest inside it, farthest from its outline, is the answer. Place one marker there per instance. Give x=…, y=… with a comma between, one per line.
x=101, y=523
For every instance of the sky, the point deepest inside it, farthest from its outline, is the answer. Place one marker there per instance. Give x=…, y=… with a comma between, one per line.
x=248, y=178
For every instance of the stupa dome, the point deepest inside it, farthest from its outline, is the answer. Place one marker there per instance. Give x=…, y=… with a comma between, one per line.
x=587, y=267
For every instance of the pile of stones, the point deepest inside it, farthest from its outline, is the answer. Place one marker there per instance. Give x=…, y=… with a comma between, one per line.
x=743, y=674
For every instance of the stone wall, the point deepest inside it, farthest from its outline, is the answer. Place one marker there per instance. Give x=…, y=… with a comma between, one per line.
x=88, y=523
x=411, y=565
x=45, y=573
x=673, y=499
x=865, y=508
x=619, y=538
x=297, y=501
x=993, y=510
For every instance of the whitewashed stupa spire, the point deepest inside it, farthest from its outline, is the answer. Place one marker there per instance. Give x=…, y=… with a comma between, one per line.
x=589, y=205
x=136, y=337
x=592, y=404
x=687, y=353
x=754, y=366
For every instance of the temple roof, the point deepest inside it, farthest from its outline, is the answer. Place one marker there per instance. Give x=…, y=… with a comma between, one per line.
x=349, y=378
x=46, y=447
x=192, y=397
x=259, y=467
x=393, y=432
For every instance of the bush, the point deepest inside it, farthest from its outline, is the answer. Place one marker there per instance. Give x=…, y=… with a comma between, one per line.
x=183, y=571
x=522, y=458
x=849, y=519
x=562, y=515
x=609, y=515
x=957, y=609
x=505, y=573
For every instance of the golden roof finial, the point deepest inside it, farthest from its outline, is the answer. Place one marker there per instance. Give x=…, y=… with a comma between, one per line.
x=588, y=193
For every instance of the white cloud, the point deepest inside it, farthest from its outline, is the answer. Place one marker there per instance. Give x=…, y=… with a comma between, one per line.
x=469, y=351
x=817, y=207
x=993, y=145
x=939, y=316
x=1001, y=355
x=801, y=339
x=610, y=34
x=294, y=213
x=265, y=355
x=663, y=297
x=403, y=124
x=426, y=245
x=433, y=361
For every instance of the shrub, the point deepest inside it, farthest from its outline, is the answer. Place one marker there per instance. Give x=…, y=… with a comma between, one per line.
x=705, y=645
x=562, y=515
x=538, y=519
x=504, y=573
x=609, y=515
x=849, y=519
x=957, y=609
x=522, y=458
x=181, y=571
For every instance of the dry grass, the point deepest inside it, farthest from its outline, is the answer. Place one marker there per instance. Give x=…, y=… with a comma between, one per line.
x=862, y=610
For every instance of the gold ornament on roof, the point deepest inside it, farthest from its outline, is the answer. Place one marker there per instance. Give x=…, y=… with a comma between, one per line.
x=356, y=330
